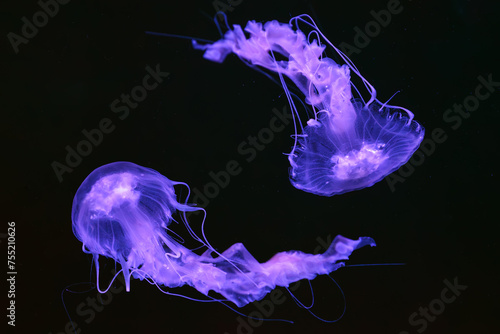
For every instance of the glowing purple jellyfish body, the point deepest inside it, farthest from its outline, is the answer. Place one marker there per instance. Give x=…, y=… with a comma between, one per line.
x=123, y=211
x=349, y=144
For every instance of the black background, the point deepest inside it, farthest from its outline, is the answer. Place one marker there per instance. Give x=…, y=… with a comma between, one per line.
x=440, y=221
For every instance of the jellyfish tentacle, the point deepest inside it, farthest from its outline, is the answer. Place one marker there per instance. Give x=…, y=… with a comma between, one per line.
x=219, y=275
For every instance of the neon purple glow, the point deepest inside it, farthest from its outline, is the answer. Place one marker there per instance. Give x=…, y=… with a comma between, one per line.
x=123, y=211
x=349, y=144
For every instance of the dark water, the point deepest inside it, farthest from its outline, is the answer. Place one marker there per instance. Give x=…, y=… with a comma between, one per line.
x=440, y=221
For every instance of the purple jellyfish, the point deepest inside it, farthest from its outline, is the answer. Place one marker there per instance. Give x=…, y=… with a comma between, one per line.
x=123, y=211
x=349, y=144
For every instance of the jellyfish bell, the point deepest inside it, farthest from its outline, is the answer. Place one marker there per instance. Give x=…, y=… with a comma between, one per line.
x=326, y=162
x=123, y=211
x=119, y=208
x=349, y=143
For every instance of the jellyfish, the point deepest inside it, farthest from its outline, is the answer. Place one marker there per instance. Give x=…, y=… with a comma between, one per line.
x=124, y=211
x=348, y=143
